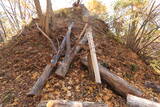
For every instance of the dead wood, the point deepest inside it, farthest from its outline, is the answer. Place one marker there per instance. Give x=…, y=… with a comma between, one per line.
x=64, y=66
x=68, y=40
x=118, y=84
x=134, y=101
x=48, y=69
x=64, y=103
x=93, y=56
x=50, y=40
x=152, y=85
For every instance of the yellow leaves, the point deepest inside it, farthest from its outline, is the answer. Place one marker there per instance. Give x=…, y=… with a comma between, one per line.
x=35, y=75
x=96, y=7
x=156, y=66
x=47, y=86
x=126, y=3
x=50, y=103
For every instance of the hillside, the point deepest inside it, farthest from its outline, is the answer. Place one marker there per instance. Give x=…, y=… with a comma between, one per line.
x=23, y=59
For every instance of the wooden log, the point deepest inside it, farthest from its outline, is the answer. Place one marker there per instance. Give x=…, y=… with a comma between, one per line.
x=68, y=41
x=155, y=87
x=64, y=103
x=134, y=101
x=41, y=81
x=64, y=66
x=93, y=56
x=90, y=67
x=47, y=71
x=118, y=84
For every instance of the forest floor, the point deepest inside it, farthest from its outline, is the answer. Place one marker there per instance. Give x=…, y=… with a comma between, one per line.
x=23, y=59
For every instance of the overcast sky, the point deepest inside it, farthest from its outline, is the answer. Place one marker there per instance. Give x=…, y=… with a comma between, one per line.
x=57, y=4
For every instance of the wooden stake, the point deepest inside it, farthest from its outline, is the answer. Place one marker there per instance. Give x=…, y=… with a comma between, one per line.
x=93, y=56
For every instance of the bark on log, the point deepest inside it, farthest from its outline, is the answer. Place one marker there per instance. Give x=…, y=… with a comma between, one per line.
x=118, y=84
x=64, y=103
x=93, y=57
x=64, y=66
x=90, y=67
x=152, y=85
x=68, y=40
x=134, y=101
x=47, y=71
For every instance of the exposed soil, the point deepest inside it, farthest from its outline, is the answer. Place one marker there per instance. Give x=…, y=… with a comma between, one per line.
x=23, y=59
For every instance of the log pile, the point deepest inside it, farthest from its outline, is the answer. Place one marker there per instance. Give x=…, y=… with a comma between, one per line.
x=60, y=68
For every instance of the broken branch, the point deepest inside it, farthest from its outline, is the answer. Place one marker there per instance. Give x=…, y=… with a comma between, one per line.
x=52, y=44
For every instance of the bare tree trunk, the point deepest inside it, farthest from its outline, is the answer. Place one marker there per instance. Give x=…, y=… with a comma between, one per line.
x=48, y=16
x=20, y=10
x=11, y=21
x=38, y=8
x=4, y=31
x=14, y=14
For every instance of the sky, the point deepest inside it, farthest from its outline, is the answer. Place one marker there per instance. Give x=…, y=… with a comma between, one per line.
x=57, y=4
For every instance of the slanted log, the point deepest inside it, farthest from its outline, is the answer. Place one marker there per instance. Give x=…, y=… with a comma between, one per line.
x=64, y=103
x=93, y=57
x=64, y=66
x=154, y=86
x=48, y=69
x=117, y=83
x=68, y=40
x=134, y=101
x=47, y=72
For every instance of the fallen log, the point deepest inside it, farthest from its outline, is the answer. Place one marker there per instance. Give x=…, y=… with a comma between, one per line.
x=49, y=67
x=134, y=101
x=64, y=103
x=46, y=73
x=154, y=86
x=118, y=84
x=64, y=66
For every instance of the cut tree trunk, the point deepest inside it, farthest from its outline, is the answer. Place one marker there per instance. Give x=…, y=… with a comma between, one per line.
x=90, y=67
x=118, y=84
x=93, y=56
x=47, y=71
x=41, y=81
x=64, y=66
x=134, y=101
x=64, y=103
x=152, y=85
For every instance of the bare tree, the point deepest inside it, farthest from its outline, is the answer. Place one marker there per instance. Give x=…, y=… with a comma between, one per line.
x=38, y=8
x=4, y=31
x=48, y=15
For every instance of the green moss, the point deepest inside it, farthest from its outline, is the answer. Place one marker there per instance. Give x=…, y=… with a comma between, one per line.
x=133, y=67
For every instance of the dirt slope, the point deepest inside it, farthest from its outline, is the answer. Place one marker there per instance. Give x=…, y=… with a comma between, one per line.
x=23, y=59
